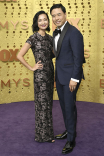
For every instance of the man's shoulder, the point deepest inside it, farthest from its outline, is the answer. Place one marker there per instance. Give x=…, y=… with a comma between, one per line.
x=72, y=29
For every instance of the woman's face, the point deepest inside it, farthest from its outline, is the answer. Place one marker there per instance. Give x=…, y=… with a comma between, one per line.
x=43, y=22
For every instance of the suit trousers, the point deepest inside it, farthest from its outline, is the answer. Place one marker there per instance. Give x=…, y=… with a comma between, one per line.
x=67, y=101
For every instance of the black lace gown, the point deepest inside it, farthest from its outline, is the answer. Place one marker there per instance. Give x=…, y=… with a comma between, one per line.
x=43, y=86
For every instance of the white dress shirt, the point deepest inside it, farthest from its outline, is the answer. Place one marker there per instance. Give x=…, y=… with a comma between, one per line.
x=56, y=41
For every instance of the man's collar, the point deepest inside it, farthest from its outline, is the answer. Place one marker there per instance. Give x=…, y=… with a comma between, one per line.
x=62, y=27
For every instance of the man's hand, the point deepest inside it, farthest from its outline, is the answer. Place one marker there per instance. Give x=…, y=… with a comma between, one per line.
x=72, y=85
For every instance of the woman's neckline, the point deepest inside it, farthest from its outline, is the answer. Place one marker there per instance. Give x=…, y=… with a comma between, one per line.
x=41, y=35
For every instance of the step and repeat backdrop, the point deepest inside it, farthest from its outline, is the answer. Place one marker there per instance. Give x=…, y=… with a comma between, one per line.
x=16, y=16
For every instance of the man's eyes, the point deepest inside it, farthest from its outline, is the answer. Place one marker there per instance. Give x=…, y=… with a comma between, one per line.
x=57, y=15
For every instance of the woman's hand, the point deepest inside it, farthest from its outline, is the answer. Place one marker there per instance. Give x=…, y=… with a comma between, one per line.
x=38, y=65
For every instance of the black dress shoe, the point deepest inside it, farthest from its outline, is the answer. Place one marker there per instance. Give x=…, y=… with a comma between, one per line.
x=61, y=136
x=68, y=147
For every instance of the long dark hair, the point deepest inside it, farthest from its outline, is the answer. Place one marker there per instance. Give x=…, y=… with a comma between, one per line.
x=35, y=21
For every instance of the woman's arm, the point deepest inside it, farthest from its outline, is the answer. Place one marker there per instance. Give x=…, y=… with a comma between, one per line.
x=20, y=55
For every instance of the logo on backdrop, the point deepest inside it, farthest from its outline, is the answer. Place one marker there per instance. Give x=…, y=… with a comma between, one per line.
x=8, y=55
x=8, y=83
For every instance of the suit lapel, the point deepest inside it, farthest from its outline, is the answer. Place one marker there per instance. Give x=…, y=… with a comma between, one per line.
x=54, y=44
x=61, y=38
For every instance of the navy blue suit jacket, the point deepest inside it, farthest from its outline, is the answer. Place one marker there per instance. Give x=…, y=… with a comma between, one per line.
x=69, y=54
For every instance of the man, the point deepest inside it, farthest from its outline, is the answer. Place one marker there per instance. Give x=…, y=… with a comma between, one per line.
x=69, y=51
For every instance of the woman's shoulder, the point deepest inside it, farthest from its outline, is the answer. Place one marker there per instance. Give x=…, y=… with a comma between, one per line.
x=33, y=35
x=50, y=37
x=31, y=39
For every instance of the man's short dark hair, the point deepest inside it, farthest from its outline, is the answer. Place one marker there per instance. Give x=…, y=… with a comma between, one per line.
x=58, y=6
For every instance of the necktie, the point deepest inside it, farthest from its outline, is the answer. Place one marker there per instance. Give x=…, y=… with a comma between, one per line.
x=57, y=32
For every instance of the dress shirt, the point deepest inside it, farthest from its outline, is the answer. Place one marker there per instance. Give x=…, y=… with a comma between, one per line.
x=56, y=41
x=57, y=37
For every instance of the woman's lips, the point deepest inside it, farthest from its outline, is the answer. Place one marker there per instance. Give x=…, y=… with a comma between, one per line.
x=43, y=25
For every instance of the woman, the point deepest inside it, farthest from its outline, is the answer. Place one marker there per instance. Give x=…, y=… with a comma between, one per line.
x=41, y=44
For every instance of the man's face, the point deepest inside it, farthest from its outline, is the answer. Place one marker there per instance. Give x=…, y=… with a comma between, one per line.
x=58, y=17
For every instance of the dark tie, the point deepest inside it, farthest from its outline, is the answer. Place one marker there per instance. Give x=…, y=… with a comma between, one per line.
x=57, y=32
